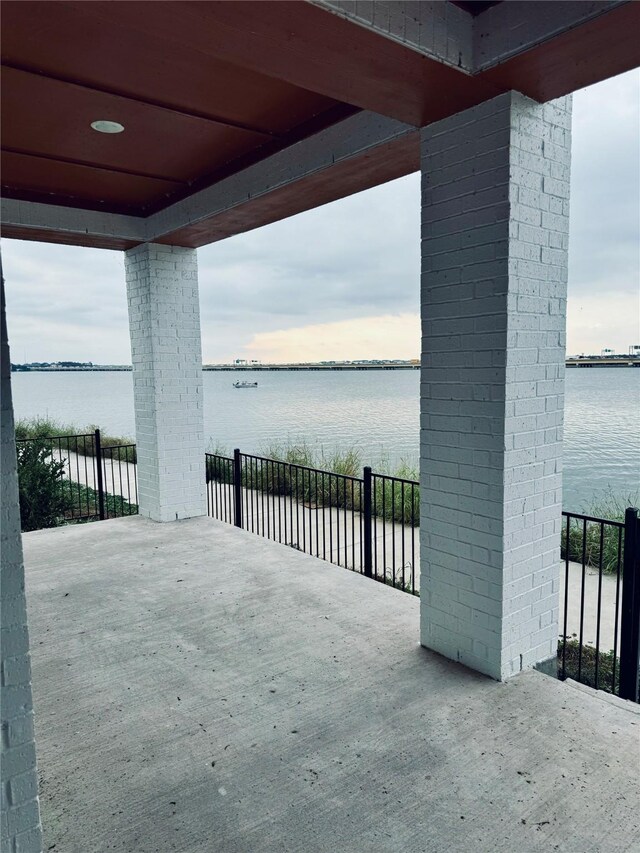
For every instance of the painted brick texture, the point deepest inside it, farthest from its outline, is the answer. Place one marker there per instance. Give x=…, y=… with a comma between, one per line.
x=20, y=814
x=509, y=28
x=164, y=323
x=439, y=30
x=495, y=216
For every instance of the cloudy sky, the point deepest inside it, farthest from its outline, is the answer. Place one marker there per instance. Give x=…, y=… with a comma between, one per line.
x=341, y=282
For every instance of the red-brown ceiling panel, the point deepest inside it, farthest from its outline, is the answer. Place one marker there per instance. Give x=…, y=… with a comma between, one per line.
x=41, y=179
x=93, y=43
x=308, y=47
x=50, y=118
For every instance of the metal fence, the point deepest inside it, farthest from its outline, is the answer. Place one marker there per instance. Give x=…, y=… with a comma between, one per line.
x=370, y=525
x=599, y=644
x=394, y=520
x=367, y=524
x=73, y=478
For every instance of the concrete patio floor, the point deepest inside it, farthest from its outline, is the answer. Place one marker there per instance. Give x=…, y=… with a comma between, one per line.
x=198, y=688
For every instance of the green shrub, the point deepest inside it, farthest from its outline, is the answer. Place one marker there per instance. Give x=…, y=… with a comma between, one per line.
x=43, y=500
x=84, y=505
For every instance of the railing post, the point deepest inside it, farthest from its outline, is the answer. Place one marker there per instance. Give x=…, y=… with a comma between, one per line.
x=237, y=488
x=366, y=523
x=100, y=483
x=630, y=616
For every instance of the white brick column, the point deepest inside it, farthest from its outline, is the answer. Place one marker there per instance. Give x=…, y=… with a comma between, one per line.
x=164, y=322
x=20, y=814
x=495, y=207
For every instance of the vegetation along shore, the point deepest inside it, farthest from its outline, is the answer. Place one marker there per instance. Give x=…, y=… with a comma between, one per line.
x=323, y=489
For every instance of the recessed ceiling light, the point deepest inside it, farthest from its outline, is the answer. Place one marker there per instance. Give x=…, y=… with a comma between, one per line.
x=107, y=126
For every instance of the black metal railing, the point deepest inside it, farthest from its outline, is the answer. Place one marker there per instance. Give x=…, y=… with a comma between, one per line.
x=395, y=517
x=220, y=487
x=370, y=525
x=592, y=550
x=318, y=512
x=119, y=490
x=599, y=643
x=73, y=478
x=367, y=524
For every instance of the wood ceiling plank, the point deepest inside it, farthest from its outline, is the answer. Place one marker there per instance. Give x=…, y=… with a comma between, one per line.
x=274, y=65
x=92, y=44
x=306, y=46
x=47, y=117
x=42, y=179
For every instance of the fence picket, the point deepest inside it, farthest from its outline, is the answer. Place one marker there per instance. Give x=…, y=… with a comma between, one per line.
x=356, y=506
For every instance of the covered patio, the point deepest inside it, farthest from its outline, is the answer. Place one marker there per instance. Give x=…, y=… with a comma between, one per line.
x=199, y=688
x=153, y=129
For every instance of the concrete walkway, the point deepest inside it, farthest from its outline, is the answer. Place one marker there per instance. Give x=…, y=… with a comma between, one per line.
x=119, y=477
x=198, y=689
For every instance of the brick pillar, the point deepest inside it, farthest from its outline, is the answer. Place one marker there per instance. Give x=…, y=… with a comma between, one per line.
x=20, y=819
x=164, y=322
x=495, y=208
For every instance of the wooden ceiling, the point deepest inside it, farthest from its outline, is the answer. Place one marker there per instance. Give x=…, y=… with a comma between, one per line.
x=200, y=93
x=188, y=116
x=205, y=89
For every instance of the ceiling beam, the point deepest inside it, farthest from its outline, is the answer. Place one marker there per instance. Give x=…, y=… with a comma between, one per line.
x=358, y=153
x=49, y=223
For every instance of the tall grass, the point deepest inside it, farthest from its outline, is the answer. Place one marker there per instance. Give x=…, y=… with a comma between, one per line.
x=48, y=428
x=279, y=470
x=316, y=478
x=391, y=500
x=598, y=542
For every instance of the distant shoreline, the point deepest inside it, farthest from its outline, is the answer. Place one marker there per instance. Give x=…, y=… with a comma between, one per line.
x=229, y=367
x=622, y=361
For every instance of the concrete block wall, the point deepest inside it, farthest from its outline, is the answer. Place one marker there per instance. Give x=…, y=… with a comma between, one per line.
x=20, y=814
x=495, y=207
x=164, y=323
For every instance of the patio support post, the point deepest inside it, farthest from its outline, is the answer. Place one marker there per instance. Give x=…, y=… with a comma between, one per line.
x=164, y=322
x=20, y=819
x=495, y=216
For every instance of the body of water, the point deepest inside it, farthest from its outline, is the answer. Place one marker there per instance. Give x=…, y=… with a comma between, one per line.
x=374, y=411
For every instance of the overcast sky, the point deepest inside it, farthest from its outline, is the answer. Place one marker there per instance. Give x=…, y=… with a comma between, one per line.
x=342, y=281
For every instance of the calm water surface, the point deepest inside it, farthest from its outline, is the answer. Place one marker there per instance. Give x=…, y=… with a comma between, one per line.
x=375, y=411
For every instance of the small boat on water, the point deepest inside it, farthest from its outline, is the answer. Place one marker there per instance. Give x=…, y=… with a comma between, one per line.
x=240, y=384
